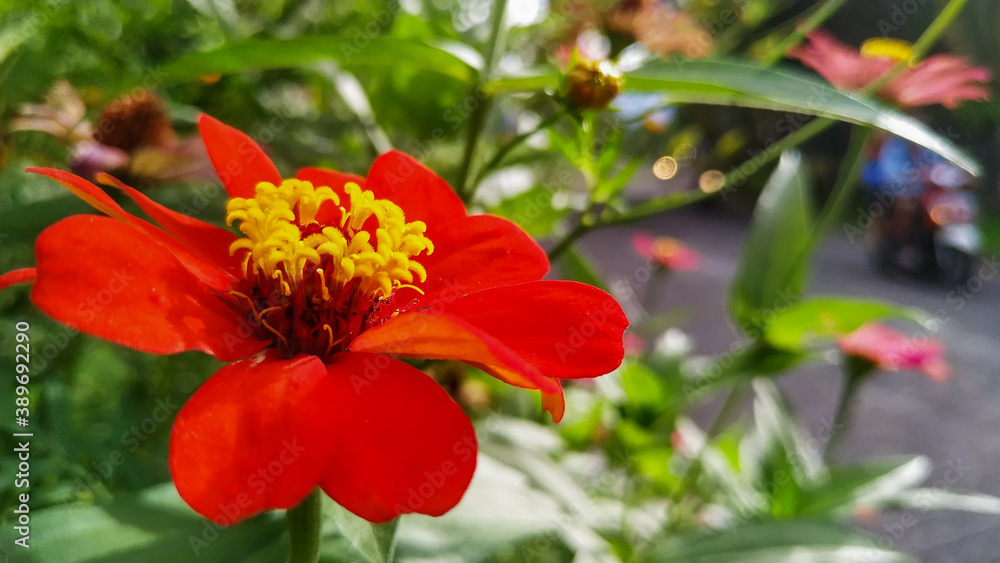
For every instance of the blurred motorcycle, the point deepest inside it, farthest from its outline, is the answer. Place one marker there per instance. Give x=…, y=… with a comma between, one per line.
x=934, y=233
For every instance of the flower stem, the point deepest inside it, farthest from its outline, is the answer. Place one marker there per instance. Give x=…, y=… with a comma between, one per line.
x=926, y=40
x=514, y=143
x=477, y=121
x=937, y=27
x=814, y=20
x=564, y=244
x=304, y=523
x=840, y=196
x=841, y=415
x=732, y=403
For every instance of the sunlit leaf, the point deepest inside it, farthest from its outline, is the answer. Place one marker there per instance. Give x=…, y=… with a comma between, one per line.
x=154, y=527
x=940, y=499
x=374, y=541
x=867, y=484
x=746, y=84
x=830, y=317
x=772, y=542
x=771, y=271
x=300, y=51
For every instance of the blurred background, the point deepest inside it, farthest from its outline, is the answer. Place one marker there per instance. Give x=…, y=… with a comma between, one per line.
x=83, y=86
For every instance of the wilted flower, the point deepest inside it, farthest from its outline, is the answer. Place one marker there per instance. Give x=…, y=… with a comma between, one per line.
x=334, y=273
x=592, y=84
x=890, y=350
x=665, y=251
x=62, y=116
x=944, y=79
x=662, y=29
x=133, y=135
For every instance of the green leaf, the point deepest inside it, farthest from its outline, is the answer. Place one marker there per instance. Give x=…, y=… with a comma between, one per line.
x=377, y=542
x=867, y=484
x=796, y=541
x=829, y=317
x=532, y=211
x=499, y=510
x=13, y=34
x=154, y=526
x=939, y=499
x=578, y=267
x=788, y=461
x=279, y=53
x=771, y=272
x=747, y=84
x=756, y=359
x=642, y=387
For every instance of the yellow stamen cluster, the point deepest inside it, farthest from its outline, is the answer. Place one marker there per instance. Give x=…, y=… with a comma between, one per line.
x=273, y=222
x=884, y=48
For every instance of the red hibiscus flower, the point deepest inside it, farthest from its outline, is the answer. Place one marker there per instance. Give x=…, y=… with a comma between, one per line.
x=943, y=79
x=891, y=350
x=336, y=276
x=668, y=252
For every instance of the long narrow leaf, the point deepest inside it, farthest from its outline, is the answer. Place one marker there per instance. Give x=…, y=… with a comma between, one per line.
x=300, y=51
x=747, y=84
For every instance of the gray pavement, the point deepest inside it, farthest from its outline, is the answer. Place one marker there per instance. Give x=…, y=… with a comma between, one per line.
x=956, y=423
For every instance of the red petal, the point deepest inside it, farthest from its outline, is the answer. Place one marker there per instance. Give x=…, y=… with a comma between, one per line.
x=209, y=241
x=110, y=280
x=475, y=253
x=565, y=329
x=422, y=194
x=444, y=337
x=86, y=191
x=327, y=177
x=14, y=277
x=255, y=436
x=402, y=444
x=554, y=403
x=208, y=272
x=238, y=161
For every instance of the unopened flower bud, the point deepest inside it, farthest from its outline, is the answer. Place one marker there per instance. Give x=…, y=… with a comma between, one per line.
x=592, y=85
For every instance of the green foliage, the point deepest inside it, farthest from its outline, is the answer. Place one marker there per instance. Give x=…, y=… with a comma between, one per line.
x=772, y=269
x=772, y=542
x=817, y=318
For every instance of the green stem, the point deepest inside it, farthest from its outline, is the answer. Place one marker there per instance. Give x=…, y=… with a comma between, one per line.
x=841, y=415
x=572, y=236
x=304, y=523
x=937, y=27
x=735, y=176
x=847, y=180
x=733, y=401
x=926, y=40
x=477, y=121
x=820, y=15
x=514, y=143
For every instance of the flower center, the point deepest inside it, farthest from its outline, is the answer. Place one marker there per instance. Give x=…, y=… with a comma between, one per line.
x=884, y=48
x=321, y=267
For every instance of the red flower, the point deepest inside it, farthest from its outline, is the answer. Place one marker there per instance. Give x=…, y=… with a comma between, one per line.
x=943, y=79
x=335, y=272
x=891, y=350
x=665, y=251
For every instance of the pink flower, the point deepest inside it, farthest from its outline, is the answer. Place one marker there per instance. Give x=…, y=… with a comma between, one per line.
x=944, y=79
x=634, y=344
x=665, y=251
x=891, y=350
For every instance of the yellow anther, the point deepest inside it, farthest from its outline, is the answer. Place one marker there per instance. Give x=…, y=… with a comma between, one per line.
x=886, y=48
x=276, y=218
